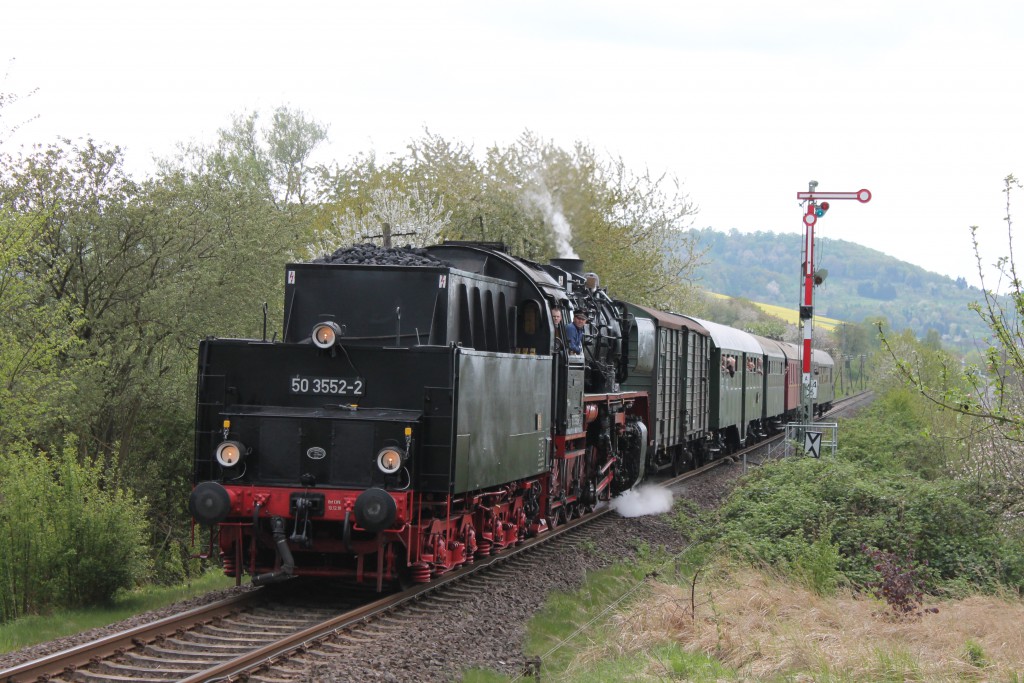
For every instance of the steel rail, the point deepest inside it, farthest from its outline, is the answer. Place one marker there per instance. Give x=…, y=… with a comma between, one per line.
x=68, y=660
x=265, y=655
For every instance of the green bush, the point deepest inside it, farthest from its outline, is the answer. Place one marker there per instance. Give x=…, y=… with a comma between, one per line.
x=892, y=434
x=790, y=514
x=67, y=538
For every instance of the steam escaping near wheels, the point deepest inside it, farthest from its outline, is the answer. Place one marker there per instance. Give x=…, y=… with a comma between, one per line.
x=643, y=500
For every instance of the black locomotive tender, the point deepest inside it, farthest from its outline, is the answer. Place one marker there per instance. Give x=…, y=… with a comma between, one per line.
x=418, y=415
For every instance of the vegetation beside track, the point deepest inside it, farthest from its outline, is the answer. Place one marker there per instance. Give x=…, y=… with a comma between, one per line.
x=894, y=560
x=30, y=630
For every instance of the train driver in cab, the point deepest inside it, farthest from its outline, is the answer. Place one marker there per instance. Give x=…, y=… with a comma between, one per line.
x=556, y=322
x=574, y=332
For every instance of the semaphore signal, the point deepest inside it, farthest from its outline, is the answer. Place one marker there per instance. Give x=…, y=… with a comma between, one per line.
x=813, y=212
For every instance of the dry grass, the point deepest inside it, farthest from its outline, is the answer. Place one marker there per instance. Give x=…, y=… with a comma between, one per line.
x=763, y=627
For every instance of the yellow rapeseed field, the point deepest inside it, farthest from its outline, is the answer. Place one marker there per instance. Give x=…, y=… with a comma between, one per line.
x=790, y=315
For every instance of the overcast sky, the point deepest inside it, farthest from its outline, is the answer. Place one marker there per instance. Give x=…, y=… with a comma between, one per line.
x=743, y=101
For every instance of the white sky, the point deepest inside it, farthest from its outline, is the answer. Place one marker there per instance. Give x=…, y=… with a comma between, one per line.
x=743, y=101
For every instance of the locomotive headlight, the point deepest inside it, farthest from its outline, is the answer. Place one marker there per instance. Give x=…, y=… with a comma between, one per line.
x=390, y=459
x=325, y=334
x=229, y=453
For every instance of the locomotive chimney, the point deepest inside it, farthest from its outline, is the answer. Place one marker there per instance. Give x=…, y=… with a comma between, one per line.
x=571, y=265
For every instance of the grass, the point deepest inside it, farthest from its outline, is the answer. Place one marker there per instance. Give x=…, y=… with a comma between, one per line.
x=37, y=629
x=575, y=635
x=753, y=625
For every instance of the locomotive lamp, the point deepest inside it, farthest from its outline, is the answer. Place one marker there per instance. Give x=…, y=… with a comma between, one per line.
x=390, y=459
x=325, y=334
x=229, y=453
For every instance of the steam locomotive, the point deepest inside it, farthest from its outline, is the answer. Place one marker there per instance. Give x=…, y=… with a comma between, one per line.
x=418, y=415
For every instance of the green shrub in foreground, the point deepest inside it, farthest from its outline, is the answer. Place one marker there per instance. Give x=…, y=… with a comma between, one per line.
x=66, y=538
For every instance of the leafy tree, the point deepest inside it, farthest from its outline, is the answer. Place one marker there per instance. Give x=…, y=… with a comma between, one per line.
x=100, y=252
x=390, y=213
x=984, y=401
x=35, y=335
x=133, y=274
x=8, y=100
x=273, y=161
x=541, y=200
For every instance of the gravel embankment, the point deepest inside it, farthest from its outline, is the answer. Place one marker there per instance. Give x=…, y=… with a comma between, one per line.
x=488, y=631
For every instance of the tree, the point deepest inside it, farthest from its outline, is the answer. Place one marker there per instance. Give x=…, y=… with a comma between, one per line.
x=35, y=335
x=542, y=201
x=994, y=392
x=274, y=161
x=7, y=100
x=985, y=401
x=104, y=251
x=134, y=274
x=390, y=214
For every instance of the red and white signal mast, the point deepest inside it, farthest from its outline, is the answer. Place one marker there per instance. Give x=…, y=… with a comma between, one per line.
x=815, y=210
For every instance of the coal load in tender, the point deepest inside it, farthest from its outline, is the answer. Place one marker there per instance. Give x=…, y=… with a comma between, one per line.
x=372, y=255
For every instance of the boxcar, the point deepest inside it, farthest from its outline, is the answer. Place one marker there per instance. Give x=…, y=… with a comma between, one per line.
x=670, y=357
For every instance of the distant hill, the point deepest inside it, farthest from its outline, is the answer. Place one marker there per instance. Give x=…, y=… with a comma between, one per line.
x=862, y=283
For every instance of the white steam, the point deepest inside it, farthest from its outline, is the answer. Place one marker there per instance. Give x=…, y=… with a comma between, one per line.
x=540, y=197
x=645, y=500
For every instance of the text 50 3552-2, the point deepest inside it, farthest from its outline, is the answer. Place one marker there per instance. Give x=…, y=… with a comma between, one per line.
x=329, y=386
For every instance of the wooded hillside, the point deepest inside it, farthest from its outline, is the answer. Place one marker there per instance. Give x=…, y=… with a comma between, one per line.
x=862, y=283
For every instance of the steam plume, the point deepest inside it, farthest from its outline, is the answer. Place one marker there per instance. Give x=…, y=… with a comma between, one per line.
x=540, y=197
x=645, y=500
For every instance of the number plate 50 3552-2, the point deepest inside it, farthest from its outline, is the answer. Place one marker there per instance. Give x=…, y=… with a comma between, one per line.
x=327, y=386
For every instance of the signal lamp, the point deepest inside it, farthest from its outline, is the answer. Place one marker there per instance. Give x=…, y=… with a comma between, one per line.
x=325, y=334
x=821, y=209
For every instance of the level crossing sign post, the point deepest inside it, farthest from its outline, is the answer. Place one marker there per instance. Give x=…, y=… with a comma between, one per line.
x=817, y=206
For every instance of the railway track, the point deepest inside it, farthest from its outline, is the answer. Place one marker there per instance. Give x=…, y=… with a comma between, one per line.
x=268, y=636
x=230, y=637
